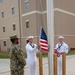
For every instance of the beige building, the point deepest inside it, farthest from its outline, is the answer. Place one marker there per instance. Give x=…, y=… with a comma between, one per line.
x=26, y=17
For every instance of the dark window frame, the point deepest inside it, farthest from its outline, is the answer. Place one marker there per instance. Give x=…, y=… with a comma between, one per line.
x=3, y=29
x=14, y=27
x=26, y=4
x=1, y=1
x=4, y=43
x=13, y=10
x=2, y=14
x=27, y=24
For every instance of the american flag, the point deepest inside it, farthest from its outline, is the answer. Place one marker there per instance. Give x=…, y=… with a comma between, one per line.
x=43, y=40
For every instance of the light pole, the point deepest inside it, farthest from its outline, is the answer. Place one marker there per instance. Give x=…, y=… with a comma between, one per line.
x=19, y=20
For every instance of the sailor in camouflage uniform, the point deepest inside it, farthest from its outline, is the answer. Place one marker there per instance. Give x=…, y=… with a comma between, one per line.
x=17, y=60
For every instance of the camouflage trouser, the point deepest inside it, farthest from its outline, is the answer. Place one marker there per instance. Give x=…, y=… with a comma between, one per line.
x=17, y=72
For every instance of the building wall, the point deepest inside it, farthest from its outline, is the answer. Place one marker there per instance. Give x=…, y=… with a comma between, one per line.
x=0, y=45
x=64, y=16
x=9, y=18
x=8, y=21
x=65, y=5
x=64, y=21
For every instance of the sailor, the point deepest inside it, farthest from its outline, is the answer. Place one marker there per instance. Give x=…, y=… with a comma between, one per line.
x=61, y=47
x=31, y=49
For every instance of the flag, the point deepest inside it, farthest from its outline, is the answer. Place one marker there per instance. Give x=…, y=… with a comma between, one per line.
x=43, y=40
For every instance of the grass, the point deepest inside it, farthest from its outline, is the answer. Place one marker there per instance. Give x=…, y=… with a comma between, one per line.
x=5, y=54
x=71, y=52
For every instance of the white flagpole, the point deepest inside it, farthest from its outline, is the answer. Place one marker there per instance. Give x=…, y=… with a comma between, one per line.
x=50, y=28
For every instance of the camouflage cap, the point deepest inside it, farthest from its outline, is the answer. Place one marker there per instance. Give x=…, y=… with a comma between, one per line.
x=13, y=37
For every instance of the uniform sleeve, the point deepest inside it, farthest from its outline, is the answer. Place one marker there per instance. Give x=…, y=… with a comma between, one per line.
x=56, y=46
x=30, y=49
x=66, y=48
x=8, y=50
x=20, y=56
x=36, y=48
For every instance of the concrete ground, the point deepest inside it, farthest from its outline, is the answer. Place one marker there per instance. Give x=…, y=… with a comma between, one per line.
x=70, y=65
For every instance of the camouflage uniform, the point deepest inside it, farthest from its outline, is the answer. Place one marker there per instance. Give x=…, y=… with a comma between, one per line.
x=17, y=60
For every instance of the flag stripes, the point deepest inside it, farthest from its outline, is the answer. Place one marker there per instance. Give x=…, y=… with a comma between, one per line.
x=43, y=40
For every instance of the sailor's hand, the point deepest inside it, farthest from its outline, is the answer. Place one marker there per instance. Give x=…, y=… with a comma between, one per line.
x=58, y=54
x=38, y=46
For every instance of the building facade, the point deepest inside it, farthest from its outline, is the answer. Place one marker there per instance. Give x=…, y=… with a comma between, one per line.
x=26, y=17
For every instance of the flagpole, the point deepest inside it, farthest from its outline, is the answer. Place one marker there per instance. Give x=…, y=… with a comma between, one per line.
x=50, y=28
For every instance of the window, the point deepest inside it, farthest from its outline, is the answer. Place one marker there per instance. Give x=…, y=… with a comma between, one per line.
x=26, y=4
x=3, y=29
x=14, y=27
x=4, y=43
x=2, y=14
x=13, y=10
x=27, y=24
x=1, y=1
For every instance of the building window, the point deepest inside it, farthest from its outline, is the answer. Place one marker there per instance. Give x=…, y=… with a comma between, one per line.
x=13, y=10
x=2, y=14
x=4, y=43
x=14, y=27
x=26, y=4
x=1, y=1
x=3, y=29
x=27, y=24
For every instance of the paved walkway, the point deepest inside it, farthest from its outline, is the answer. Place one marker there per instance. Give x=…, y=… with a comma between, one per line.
x=5, y=69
